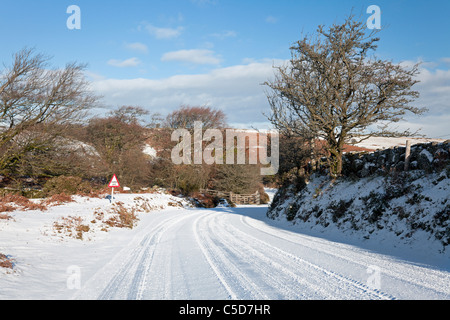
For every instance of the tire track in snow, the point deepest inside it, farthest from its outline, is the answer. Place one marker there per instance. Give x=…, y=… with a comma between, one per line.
x=297, y=268
x=236, y=283
x=139, y=284
x=130, y=279
x=278, y=285
x=432, y=280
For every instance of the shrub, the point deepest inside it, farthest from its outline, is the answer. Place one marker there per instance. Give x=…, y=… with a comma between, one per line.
x=264, y=198
x=204, y=200
x=339, y=209
x=291, y=211
x=66, y=185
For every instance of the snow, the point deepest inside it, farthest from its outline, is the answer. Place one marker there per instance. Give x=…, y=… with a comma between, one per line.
x=78, y=146
x=375, y=143
x=271, y=193
x=176, y=251
x=427, y=154
x=150, y=151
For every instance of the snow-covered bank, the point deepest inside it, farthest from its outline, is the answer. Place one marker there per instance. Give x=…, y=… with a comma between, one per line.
x=407, y=213
x=46, y=247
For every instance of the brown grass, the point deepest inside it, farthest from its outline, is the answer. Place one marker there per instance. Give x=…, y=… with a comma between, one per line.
x=58, y=199
x=123, y=218
x=6, y=207
x=204, y=199
x=5, y=262
x=71, y=226
x=4, y=216
x=142, y=204
x=118, y=216
x=21, y=202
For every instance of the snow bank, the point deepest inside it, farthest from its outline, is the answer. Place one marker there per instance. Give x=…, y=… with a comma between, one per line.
x=82, y=220
x=409, y=209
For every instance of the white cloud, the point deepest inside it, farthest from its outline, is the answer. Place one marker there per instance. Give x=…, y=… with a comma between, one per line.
x=132, y=62
x=446, y=60
x=236, y=90
x=162, y=33
x=434, y=89
x=195, y=56
x=137, y=46
x=93, y=76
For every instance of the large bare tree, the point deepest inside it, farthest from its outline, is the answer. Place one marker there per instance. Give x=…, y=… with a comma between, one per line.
x=334, y=88
x=36, y=102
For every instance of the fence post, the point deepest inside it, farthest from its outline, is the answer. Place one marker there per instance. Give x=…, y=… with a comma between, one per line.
x=407, y=154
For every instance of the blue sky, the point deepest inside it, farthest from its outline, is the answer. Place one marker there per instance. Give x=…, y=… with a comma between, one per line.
x=161, y=54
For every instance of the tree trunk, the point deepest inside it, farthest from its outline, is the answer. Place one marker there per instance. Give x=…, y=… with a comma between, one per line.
x=336, y=149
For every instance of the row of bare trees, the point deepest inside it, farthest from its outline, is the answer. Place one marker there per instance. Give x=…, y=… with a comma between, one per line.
x=45, y=132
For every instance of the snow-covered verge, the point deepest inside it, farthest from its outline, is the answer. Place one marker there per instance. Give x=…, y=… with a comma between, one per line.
x=28, y=237
x=409, y=210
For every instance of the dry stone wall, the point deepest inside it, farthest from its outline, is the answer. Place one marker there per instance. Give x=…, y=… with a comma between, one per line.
x=429, y=157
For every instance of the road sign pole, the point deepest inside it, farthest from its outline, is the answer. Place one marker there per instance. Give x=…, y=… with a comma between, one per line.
x=114, y=183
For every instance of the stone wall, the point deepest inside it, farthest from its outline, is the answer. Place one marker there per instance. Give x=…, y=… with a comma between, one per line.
x=429, y=157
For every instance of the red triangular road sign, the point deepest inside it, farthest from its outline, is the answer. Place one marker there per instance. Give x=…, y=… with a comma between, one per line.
x=114, y=183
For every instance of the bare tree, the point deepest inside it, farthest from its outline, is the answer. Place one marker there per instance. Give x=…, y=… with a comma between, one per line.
x=120, y=143
x=129, y=114
x=237, y=178
x=333, y=89
x=34, y=95
x=185, y=116
x=137, y=115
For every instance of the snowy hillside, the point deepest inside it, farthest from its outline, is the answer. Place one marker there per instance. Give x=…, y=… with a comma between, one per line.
x=410, y=210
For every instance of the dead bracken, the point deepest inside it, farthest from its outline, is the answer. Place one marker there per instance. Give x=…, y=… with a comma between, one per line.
x=6, y=262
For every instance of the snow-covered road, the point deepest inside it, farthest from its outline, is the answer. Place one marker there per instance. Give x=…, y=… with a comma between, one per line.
x=235, y=253
x=201, y=254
